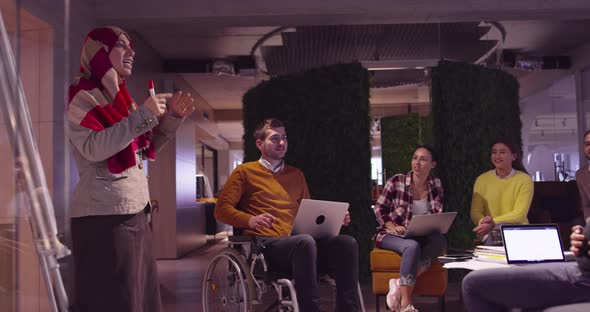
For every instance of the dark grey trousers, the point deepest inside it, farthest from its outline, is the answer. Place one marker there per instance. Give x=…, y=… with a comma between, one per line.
x=416, y=252
x=303, y=257
x=114, y=266
x=534, y=286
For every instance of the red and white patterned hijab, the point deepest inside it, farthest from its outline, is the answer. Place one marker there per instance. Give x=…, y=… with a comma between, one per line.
x=97, y=100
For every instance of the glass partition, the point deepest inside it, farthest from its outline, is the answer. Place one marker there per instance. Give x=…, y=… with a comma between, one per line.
x=550, y=132
x=27, y=123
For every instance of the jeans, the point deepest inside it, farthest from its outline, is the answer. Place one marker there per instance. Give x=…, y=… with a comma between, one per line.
x=533, y=286
x=415, y=252
x=304, y=257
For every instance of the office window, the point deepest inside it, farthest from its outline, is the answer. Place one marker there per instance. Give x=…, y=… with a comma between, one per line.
x=377, y=170
x=550, y=132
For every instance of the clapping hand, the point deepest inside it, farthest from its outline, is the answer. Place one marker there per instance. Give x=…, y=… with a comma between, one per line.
x=181, y=105
x=487, y=219
x=485, y=226
x=157, y=103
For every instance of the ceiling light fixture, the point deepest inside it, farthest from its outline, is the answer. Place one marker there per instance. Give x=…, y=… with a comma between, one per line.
x=399, y=65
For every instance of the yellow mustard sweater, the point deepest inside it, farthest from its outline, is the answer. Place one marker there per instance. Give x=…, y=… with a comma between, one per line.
x=252, y=190
x=506, y=200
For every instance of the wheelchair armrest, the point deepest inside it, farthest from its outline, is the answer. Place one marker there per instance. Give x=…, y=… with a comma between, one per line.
x=242, y=239
x=248, y=244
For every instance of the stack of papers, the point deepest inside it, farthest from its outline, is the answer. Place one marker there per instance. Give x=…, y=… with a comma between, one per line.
x=475, y=265
x=495, y=254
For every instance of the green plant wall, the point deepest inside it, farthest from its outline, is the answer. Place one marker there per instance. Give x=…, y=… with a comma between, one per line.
x=471, y=107
x=326, y=114
x=399, y=137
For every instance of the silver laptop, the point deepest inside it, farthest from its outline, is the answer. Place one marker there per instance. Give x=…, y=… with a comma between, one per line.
x=532, y=243
x=319, y=218
x=422, y=225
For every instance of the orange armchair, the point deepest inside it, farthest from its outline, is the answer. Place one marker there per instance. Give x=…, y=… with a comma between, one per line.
x=385, y=264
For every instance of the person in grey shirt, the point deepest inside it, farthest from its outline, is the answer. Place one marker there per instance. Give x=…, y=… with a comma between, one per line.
x=583, y=179
x=533, y=287
x=111, y=135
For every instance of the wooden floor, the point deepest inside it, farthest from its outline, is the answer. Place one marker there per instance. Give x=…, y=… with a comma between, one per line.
x=181, y=279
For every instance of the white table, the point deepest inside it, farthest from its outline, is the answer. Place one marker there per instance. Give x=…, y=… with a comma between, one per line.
x=474, y=265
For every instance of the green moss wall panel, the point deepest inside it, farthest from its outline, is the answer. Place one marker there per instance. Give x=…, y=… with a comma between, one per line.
x=471, y=107
x=326, y=114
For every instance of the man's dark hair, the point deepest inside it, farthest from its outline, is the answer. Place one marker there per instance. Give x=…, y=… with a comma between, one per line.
x=260, y=130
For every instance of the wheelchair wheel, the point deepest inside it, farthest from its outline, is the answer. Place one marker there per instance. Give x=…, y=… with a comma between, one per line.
x=228, y=285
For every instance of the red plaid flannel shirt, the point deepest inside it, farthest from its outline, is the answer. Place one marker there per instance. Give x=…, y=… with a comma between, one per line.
x=396, y=201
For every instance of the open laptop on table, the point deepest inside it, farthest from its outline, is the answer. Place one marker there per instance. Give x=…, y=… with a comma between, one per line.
x=422, y=225
x=319, y=218
x=532, y=243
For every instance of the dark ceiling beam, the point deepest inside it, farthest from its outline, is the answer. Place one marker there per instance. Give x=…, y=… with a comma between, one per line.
x=312, y=12
x=228, y=115
x=239, y=62
x=420, y=108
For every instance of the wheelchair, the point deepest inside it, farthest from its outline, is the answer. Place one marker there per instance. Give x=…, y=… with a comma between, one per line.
x=237, y=279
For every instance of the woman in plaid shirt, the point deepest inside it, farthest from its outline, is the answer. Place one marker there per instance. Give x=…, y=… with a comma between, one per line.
x=417, y=192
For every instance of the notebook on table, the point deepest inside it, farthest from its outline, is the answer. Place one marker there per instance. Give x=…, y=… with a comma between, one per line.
x=319, y=218
x=422, y=225
x=532, y=243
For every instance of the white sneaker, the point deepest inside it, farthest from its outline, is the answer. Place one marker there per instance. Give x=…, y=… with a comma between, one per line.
x=409, y=308
x=393, y=296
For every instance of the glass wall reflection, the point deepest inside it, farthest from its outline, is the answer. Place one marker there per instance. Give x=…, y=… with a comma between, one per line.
x=22, y=286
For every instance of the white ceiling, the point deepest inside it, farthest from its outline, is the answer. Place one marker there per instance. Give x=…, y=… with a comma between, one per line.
x=225, y=92
x=222, y=92
x=232, y=131
x=231, y=13
x=545, y=37
x=193, y=42
x=182, y=29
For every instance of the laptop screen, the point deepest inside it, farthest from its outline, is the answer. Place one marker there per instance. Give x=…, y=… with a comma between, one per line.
x=532, y=243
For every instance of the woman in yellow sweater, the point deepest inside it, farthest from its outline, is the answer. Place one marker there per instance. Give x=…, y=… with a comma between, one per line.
x=503, y=194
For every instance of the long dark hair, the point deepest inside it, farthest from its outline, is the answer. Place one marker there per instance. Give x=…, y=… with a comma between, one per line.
x=433, y=156
x=429, y=149
x=517, y=163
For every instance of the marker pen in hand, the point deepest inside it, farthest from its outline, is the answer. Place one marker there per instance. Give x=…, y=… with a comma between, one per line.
x=151, y=87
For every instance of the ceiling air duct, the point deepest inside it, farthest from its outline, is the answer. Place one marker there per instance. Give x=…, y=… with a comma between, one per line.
x=223, y=67
x=233, y=65
x=529, y=62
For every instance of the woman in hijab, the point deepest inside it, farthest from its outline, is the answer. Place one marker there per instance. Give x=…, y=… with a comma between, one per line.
x=115, y=269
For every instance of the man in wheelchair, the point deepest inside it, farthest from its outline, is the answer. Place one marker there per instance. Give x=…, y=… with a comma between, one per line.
x=268, y=193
